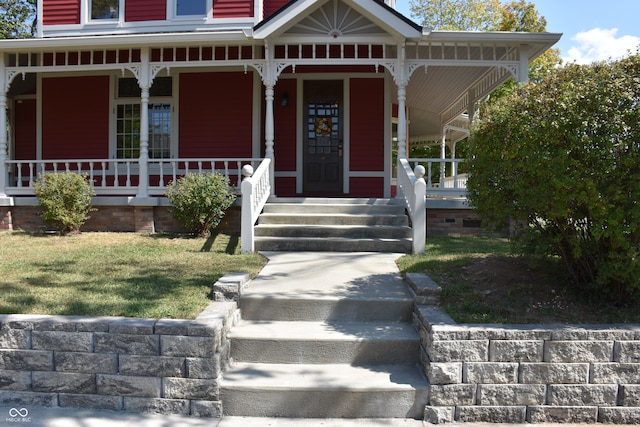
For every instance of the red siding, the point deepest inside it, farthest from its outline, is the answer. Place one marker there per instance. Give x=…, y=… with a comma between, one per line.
x=145, y=10
x=285, y=186
x=75, y=117
x=367, y=124
x=25, y=129
x=284, y=122
x=58, y=12
x=216, y=114
x=272, y=6
x=366, y=187
x=232, y=8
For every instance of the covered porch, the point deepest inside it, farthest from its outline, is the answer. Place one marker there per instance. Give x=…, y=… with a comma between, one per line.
x=238, y=99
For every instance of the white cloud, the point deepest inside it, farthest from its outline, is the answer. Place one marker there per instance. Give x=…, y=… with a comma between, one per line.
x=600, y=44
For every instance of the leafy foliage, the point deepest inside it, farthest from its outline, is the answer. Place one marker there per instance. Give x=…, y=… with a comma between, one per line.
x=65, y=199
x=561, y=157
x=200, y=201
x=17, y=19
x=457, y=15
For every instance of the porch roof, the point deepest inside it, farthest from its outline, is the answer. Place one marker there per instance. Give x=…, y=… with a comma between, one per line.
x=448, y=70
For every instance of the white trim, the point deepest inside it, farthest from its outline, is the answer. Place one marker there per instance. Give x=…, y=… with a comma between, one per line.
x=346, y=146
x=299, y=133
x=346, y=133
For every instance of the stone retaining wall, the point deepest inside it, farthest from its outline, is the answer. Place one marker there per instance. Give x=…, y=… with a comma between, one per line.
x=529, y=373
x=140, y=365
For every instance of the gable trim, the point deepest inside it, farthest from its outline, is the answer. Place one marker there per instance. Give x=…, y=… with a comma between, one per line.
x=377, y=11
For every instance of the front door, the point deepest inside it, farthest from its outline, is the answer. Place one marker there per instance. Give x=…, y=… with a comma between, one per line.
x=322, y=142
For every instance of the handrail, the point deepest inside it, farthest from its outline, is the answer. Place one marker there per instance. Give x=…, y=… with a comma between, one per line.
x=413, y=188
x=120, y=176
x=454, y=185
x=255, y=190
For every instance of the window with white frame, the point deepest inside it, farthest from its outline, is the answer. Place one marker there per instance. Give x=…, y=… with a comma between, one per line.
x=128, y=112
x=104, y=9
x=191, y=7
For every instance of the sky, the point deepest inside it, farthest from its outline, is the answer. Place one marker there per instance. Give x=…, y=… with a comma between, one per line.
x=593, y=30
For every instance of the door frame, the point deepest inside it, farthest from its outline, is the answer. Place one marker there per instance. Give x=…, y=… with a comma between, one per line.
x=300, y=128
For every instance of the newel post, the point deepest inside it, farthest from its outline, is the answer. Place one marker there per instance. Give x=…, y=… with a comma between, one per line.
x=246, y=215
x=420, y=211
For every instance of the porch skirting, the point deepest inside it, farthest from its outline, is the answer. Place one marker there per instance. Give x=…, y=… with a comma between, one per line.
x=118, y=218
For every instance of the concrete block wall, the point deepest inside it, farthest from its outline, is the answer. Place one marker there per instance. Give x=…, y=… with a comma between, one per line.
x=529, y=373
x=123, y=364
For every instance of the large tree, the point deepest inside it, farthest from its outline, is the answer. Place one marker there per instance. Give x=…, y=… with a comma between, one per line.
x=17, y=19
x=457, y=15
x=561, y=158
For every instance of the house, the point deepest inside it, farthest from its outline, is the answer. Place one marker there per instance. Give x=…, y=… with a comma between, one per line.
x=137, y=93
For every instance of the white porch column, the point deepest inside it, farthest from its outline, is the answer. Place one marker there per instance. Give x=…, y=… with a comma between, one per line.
x=3, y=142
x=443, y=156
x=269, y=78
x=402, y=120
x=144, y=80
x=269, y=133
x=143, y=160
x=4, y=86
x=523, y=66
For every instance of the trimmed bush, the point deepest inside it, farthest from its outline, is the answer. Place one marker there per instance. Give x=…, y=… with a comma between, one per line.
x=200, y=201
x=65, y=199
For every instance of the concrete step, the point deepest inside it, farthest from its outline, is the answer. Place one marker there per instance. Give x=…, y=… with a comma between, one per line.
x=356, y=343
x=337, y=225
x=343, y=231
x=351, y=286
x=318, y=309
x=334, y=244
x=337, y=208
x=333, y=219
x=323, y=391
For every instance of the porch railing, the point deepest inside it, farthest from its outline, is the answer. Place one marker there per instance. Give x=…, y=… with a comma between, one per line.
x=256, y=189
x=413, y=188
x=121, y=176
x=442, y=177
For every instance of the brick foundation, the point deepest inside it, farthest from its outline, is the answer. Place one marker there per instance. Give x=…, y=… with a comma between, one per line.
x=139, y=219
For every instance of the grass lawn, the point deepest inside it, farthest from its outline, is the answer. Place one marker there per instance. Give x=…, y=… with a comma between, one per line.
x=483, y=283
x=115, y=274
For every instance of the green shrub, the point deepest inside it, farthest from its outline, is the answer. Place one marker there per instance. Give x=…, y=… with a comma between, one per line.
x=561, y=157
x=65, y=199
x=199, y=201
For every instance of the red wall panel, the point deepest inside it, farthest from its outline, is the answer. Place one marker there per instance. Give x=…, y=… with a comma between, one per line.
x=216, y=114
x=272, y=6
x=75, y=117
x=232, y=8
x=367, y=124
x=285, y=125
x=58, y=12
x=145, y=10
x=25, y=129
x=366, y=187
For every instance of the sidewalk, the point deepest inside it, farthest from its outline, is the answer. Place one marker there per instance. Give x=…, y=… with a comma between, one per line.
x=69, y=417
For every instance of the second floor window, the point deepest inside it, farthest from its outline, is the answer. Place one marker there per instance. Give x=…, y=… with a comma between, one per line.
x=191, y=7
x=105, y=9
